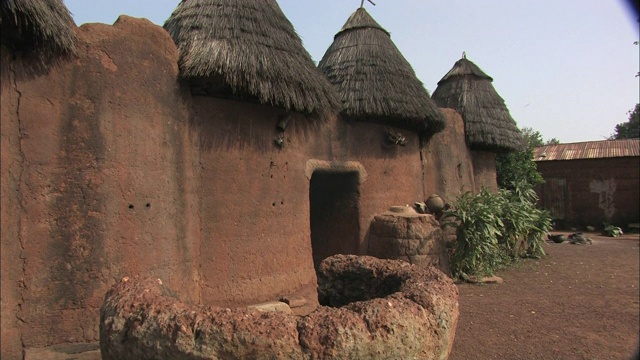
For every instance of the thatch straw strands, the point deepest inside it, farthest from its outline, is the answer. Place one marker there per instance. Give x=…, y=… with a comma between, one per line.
x=488, y=124
x=249, y=49
x=42, y=26
x=374, y=81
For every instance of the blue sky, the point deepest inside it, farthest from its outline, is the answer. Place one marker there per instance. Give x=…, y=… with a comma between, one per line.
x=565, y=68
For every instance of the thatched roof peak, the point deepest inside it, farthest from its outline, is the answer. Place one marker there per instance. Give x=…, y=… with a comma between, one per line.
x=464, y=67
x=374, y=81
x=247, y=49
x=44, y=27
x=488, y=124
x=359, y=20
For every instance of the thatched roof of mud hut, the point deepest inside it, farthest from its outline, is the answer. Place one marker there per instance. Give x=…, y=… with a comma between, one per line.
x=42, y=26
x=374, y=81
x=488, y=124
x=247, y=49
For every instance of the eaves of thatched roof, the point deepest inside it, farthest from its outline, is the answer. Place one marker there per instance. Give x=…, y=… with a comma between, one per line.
x=488, y=124
x=248, y=49
x=37, y=26
x=374, y=81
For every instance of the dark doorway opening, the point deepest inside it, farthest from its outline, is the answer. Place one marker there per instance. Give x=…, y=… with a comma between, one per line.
x=335, y=225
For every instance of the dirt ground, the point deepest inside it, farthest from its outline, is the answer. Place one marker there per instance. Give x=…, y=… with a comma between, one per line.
x=579, y=302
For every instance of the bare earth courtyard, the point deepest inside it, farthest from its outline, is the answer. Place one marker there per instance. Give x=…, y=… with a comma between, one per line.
x=579, y=302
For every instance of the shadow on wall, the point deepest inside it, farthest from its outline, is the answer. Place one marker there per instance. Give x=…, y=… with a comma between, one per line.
x=360, y=139
x=220, y=124
x=28, y=66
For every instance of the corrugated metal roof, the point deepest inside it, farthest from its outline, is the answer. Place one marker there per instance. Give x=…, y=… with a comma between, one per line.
x=588, y=150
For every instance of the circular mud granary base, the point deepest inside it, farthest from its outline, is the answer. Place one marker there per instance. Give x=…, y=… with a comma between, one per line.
x=374, y=309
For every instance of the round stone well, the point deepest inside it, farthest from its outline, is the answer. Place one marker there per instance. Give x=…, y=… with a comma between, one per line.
x=370, y=309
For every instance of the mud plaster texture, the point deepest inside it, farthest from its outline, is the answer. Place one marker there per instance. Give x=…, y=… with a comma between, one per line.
x=448, y=163
x=381, y=309
x=597, y=191
x=411, y=237
x=254, y=204
x=484, y=170
x=111, y=168
x=97, y=179
x=394, y=174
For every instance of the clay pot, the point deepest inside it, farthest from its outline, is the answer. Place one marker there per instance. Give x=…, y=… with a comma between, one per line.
x=435, y=203
x=558, y=239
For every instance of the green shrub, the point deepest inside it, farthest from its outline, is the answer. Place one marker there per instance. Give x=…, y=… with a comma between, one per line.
x=526, y=226
x=493, y=230
x=612, y=231
x=478, y=226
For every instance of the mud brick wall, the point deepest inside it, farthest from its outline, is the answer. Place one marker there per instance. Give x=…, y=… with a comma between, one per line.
x=484, y=170
x=597, y=190
x=95, y=183
x=393, y=174
x=253, y=203
x=447, y=161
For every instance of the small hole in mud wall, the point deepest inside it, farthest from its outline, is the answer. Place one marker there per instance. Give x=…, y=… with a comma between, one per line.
x=334, y=214
x=148, y=205
x=130, y=206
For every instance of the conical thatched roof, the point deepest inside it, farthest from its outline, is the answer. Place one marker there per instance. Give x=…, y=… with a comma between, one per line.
x=248, y=49
x=374, y=81
x=488, y=124
x=43, y=26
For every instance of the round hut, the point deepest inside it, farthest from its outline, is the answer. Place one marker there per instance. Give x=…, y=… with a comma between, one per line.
x=247, y=49
x=374, y=80
x=385, y=111
x=489, y=128
x=43, y=26
x=255, y=91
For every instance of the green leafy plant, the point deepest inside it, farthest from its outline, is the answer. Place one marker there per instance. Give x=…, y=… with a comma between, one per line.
x=518, y=166
x=478, y=226
x=613, y=231
x=495, y=230
x=526, y=226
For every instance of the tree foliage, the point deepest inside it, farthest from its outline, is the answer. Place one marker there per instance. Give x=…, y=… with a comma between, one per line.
x=518, y=167
x=631, y=128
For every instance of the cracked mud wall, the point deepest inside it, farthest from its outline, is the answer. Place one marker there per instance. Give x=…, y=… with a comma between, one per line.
x=447, y=162
x=254, y=203
x=484, y=170
x=96, y=162
x=392, y=174
x=11, y=164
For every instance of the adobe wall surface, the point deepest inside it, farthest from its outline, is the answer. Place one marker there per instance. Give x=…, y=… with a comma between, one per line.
x=393, y=173
x=11, y=215
x=598, y=190
x=110, y=168
x=484, y=170
x=447, y=160
x=254, y=203
x=95, y=179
